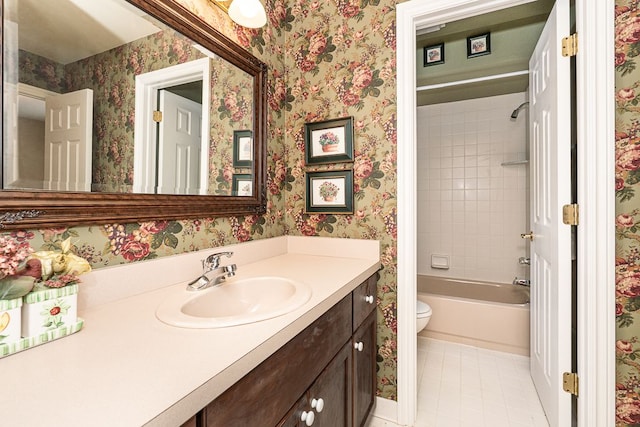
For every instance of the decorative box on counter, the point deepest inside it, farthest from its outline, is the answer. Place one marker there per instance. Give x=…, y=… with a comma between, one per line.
x=46, y=309
x=10, y=324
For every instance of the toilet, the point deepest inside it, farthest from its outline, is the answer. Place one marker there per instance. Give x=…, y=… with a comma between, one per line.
x=423, y=312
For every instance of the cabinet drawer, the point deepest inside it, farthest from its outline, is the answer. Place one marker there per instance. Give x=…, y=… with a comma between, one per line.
x=364, y=300
x=264, y=395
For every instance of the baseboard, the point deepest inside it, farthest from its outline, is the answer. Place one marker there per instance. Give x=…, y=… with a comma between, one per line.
x=386, y=409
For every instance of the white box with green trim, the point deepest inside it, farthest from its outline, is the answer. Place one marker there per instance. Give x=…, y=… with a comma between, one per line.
x=49, y=308
x=10, y=320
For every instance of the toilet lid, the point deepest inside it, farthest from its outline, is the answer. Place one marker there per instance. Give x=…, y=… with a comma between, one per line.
x=422, y=309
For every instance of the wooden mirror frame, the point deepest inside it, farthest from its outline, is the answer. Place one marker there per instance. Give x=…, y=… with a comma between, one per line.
x=40, y=209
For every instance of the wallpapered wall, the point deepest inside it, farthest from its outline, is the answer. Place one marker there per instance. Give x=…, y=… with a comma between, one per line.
x=326, y=60
x=111, y=75
x=337, y=58
x=627, y=48
x=340, y=61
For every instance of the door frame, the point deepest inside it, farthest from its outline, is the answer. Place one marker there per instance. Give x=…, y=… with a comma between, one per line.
x=596, y=197
x=147, y=87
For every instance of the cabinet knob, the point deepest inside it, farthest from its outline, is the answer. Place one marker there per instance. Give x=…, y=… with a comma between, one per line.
x=358, y=346
x=308, y=417
x=318, y=404
x=369, y=299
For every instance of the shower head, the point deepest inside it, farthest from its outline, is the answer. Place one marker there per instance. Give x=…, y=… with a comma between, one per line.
x=514, y=114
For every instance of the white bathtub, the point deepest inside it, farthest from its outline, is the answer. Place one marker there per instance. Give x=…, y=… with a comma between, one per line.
x=483, y=314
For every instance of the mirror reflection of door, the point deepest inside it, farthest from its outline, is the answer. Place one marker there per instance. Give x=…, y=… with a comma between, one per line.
x=179, y=139
x=68, y=141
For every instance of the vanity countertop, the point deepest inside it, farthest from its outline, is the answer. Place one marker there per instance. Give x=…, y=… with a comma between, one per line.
x=127, y=368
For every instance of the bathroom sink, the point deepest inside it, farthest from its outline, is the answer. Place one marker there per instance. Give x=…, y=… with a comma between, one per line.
x=235, y=302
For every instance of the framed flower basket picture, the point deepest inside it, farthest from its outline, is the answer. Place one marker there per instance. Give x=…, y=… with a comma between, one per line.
x=329, y=192
x=330, y=141
x=242, y=184
x=242, y=149
x=479, y=45
x=433, y=55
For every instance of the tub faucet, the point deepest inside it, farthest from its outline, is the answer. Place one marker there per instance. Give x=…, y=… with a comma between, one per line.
x=521, y=282
x=211, y=266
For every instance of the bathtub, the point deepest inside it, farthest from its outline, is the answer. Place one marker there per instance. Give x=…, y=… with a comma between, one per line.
x=482, y=314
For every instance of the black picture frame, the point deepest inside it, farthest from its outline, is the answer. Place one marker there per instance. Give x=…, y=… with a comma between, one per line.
x=338, y=182
x=238, y=179
x=433, y=55
x=479, y=45
x=242, y=149
x=319, y=151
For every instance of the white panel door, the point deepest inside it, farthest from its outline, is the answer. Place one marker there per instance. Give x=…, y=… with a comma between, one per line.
x=550, y=119
x=179, y=145
x=67, y=154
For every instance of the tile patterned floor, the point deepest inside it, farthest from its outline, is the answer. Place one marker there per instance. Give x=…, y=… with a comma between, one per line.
x=464, y=386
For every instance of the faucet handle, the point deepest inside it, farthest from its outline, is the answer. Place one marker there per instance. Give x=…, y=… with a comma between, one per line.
x=213, y=260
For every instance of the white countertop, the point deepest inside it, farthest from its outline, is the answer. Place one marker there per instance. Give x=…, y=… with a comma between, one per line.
x=127, y=368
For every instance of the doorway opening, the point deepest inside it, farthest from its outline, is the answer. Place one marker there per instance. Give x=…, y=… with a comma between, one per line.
x=473, y=181
x=595, y=121
x=149, y=86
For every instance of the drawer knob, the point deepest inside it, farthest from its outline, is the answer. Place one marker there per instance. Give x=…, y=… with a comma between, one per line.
x=308, y=417
x=318, y=404
x=358, y=346
x=369, y=299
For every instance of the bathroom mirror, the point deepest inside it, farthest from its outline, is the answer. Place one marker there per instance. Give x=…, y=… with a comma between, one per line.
x=136, y=169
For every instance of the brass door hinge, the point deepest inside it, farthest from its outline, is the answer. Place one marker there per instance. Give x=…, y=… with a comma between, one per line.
x=157, y=116
x=570, y=383
x=570, y=45
x=570, y=214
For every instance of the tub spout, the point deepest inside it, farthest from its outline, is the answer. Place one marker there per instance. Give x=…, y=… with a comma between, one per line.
x=521, y=282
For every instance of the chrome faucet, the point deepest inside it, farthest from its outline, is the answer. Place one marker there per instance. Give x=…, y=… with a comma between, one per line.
x=521, y=282
x=211, y=265
x=524, y=260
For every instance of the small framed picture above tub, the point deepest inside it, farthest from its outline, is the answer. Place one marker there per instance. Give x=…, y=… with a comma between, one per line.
x=330, y=141
x=433, y=55
x=479, y=45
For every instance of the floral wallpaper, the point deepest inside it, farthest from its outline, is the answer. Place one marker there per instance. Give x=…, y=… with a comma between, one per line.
x=627, y=59
x=40, y=72
x=336, y=58
x=112, y=74
x=340, y=61
x=231, y=110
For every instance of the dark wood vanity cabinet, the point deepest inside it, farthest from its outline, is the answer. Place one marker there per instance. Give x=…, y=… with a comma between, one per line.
x=324, y=376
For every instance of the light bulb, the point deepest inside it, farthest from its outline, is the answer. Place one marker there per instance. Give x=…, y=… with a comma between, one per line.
x=248, y=13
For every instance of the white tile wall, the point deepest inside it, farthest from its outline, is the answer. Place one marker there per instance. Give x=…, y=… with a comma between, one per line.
x=469, y=206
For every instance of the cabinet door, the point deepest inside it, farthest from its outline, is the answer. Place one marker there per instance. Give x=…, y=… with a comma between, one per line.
x=334, y=387
x=364, y=370
x=328, y=400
